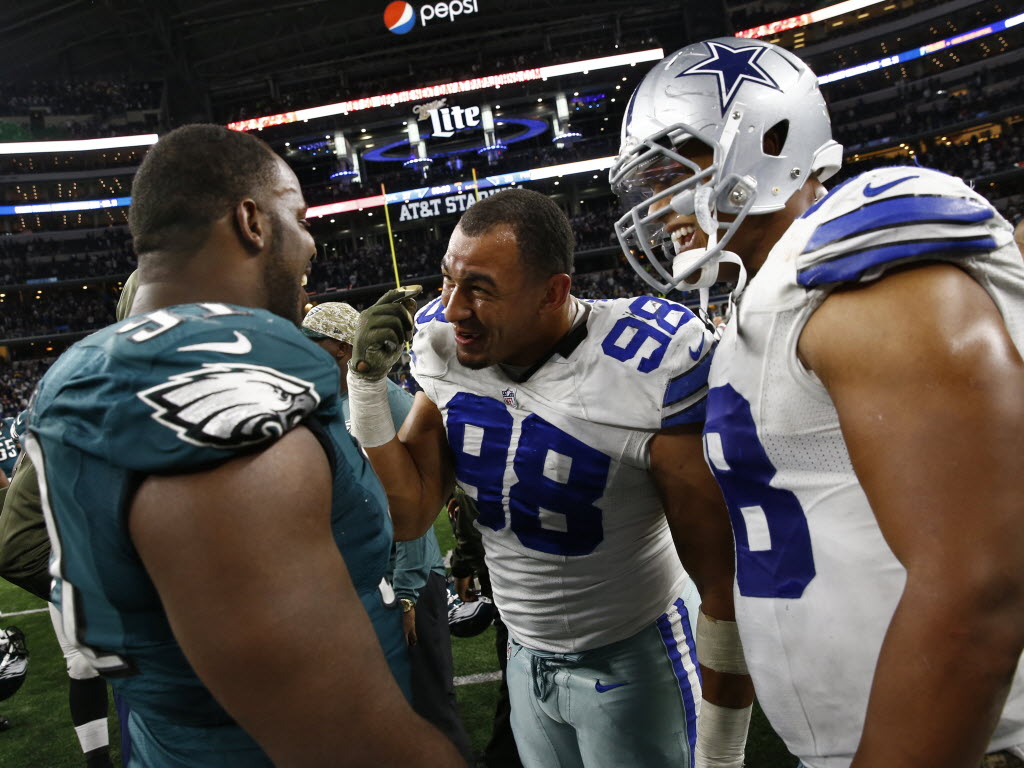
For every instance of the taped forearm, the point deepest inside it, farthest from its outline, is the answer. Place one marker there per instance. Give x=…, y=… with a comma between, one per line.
x=721, y=731
x=721, y=736
x=719, y=646
x=370, y=411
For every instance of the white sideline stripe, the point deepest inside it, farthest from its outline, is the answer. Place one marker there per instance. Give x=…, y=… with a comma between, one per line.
x=482, y=677
x=23, y=613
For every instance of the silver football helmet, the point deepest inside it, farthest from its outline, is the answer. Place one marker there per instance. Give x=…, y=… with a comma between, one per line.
x=13, y=661
x=725, y=94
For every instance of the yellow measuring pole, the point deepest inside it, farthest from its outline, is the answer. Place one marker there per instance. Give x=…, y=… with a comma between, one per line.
x=391, y=237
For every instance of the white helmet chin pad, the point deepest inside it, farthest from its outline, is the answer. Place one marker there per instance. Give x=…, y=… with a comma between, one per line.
x=721, y=98
x=684, y=272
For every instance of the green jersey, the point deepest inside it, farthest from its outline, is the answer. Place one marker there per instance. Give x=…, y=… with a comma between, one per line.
x=9, y=448
x=177, y=390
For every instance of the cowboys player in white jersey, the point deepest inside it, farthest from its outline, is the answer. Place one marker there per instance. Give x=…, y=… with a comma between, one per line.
x=872, y=469
x=580, y=443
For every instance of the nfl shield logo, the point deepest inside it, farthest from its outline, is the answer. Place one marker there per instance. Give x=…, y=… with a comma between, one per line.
x=509, y=396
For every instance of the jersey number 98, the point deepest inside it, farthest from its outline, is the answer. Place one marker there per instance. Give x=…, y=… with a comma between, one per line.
x=558, y=479
x=773, y=542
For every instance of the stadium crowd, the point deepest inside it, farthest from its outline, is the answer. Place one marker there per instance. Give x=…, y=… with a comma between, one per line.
x=97, y=254
x=17, y=381
x=70, y=109
x=64, y=313
x=68, y=97
x=919, y=108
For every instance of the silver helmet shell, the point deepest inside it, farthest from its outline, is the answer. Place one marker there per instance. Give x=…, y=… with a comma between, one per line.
x=13, y=661
x=727, y=94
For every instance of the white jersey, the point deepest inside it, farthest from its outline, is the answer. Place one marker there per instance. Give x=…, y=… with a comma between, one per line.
x=816, y=583
x=576, y=541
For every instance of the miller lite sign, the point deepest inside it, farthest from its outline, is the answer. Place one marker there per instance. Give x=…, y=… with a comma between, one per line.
x=445, y=121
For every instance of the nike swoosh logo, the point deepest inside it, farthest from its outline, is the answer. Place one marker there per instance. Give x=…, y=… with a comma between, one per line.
x=695, y=354
x=603, y=688
x=240, y=346
x=870, y=191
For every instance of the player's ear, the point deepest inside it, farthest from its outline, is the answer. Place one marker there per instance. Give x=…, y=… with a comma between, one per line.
x=250, y=224
x=557, y=291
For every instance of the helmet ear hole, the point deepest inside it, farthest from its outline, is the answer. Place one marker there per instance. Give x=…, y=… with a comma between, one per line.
x=775, y=138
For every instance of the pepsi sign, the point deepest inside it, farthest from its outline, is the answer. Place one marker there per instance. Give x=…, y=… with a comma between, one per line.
x=400, y=16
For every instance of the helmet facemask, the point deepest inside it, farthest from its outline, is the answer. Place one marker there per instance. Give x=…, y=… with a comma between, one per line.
x=654, y=179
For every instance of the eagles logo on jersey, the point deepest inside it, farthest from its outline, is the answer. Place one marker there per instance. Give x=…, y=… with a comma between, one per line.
x=231, y=405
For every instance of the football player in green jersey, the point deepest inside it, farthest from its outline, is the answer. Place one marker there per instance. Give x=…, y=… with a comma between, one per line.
x=217, y=536
x=9, y=450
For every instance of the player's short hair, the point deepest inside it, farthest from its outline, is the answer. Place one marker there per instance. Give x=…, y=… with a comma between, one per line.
x=190, y=178
x=542, y=229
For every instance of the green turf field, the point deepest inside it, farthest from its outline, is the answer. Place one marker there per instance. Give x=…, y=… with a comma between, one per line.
x=41, y=735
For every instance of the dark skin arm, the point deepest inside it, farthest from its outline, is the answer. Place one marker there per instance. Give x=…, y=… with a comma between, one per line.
x=415, y=469
x=699, y=521
x=932, y=412
x=263, y=558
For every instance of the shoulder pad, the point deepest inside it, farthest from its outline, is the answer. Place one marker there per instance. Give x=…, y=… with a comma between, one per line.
x=433, y=343
x=433, y=310
x=183, y=387
x=891, y=216
x=656, y=353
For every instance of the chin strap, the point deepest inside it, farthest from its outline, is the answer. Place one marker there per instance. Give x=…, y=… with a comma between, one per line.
x=731, y=315
x=708, y=276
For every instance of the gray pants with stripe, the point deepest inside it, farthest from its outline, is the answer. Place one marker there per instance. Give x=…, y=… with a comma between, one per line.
x=632, y=703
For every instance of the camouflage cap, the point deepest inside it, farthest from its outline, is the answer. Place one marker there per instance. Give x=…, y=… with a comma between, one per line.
x=333, y=319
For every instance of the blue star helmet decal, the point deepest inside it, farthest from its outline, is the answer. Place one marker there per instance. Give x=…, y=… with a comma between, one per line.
x=732, y=67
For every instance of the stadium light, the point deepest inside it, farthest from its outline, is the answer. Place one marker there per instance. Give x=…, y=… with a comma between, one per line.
x=449, y=89
x=77, y=205
x=77, y=145
x=803, y=19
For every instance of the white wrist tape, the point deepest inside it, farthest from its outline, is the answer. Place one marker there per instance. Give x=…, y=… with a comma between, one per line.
x=718, y=645
x=370, y=411
x=721, y=736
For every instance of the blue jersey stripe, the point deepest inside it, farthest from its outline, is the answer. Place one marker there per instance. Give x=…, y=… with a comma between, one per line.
x=685, y=384
x=897, y=211
x=852, y=266
x=695, y=414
